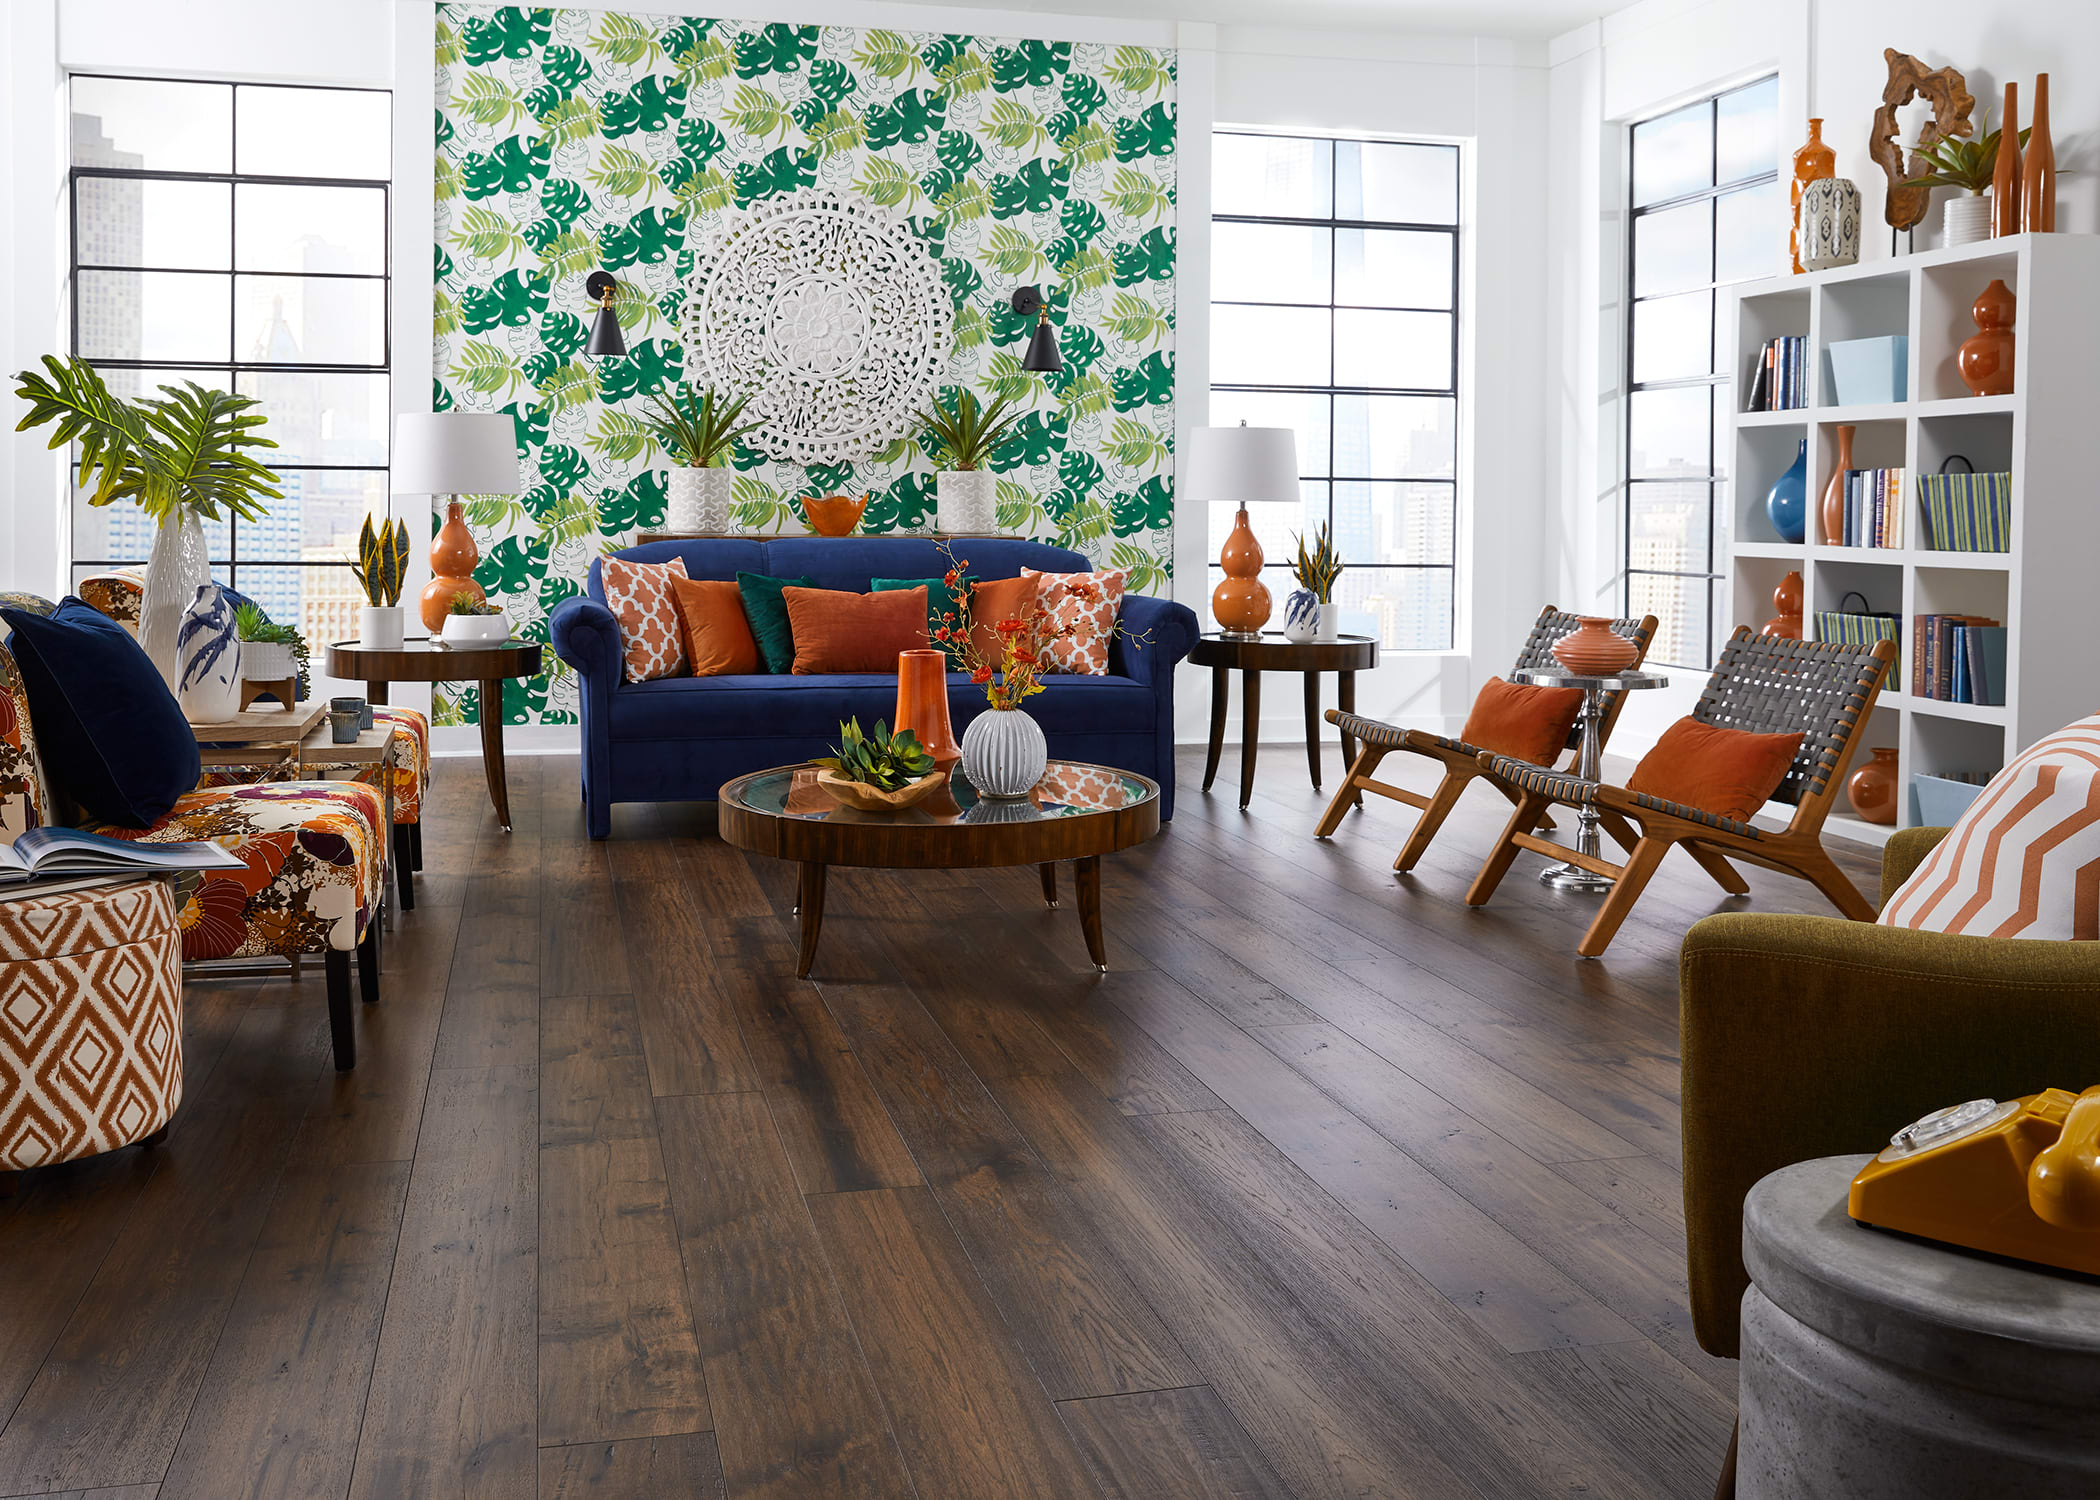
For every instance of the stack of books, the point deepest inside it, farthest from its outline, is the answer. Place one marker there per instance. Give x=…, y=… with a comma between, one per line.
x=1958, y=659
x=1874, y=508
x=1781, y=383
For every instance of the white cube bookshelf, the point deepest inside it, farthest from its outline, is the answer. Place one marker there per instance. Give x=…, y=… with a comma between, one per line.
x=2047, y=433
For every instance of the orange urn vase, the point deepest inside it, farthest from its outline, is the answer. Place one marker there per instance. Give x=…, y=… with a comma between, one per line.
x=1986, y=356
x=2005, y=176
x=1241, y=603
x=452, y=559
x=1594, y=649
x=1873, y=787
x=1812, y=163
x=1834, y=492
x=1787, y=600
x=922, y=704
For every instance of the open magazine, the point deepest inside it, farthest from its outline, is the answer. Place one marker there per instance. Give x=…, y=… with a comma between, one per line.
x=68, y=851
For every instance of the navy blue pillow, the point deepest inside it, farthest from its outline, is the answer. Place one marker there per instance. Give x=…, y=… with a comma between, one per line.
x=108, y=730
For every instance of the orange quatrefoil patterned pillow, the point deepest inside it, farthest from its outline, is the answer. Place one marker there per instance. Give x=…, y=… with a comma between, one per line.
x=652, y=642
x=1088, y=602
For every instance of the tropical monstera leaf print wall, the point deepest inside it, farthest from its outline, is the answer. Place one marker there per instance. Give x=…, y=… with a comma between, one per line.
x=571, y=140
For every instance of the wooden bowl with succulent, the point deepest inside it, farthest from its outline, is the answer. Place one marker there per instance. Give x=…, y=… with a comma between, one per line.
x=879, y=772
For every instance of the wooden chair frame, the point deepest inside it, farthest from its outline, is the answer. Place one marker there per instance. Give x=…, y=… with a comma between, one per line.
x=1461, y=762
x=1647, y=829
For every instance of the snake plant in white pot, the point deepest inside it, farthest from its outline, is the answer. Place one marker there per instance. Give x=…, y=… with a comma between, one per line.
x=969, y=437
x=183, y=458
x=698, y=434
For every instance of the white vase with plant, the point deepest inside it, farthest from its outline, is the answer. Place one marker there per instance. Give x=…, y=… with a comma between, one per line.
x=698, y=434
x=968, y=437
x=382, y=564
x=1316, y=570
x=182, y=457
x=1966, y=166
x=269, y=652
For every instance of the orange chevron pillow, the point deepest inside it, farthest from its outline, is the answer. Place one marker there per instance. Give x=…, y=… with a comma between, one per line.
x=2024, y=859
x=652, y=641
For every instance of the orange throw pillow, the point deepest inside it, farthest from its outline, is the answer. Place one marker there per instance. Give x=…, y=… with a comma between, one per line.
x=836, y=631
x=718, y=638
x=639, y=595
x=1530, y=723
x=994, y=600
x=1727, y=772
x=1088, y=602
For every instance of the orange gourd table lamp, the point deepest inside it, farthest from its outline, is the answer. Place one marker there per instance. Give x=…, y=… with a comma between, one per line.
x=453, y=454
x=1242, y=466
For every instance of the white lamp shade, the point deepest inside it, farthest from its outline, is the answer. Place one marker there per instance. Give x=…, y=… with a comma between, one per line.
x=1240, y=465
x=455, y=453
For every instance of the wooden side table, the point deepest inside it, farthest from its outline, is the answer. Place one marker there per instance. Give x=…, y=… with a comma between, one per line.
x=1344, y=657
x=425, y=660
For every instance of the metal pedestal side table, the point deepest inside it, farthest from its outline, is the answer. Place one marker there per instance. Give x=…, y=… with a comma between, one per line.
x=1572, y=877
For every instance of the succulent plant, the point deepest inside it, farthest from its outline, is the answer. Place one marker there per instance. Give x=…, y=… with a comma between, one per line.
x=382, y=562
x=467, y=604
x=882, y=760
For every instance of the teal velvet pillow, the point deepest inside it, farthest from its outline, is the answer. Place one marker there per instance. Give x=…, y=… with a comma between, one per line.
x=768, y=614
x=940, y=600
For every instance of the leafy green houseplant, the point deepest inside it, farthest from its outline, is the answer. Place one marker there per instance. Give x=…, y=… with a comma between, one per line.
x=1968, y=166
x=698, y=431
x=876, y=772
x=183, y=458
x=382, y=564
x=270, y=652
x=969, y=437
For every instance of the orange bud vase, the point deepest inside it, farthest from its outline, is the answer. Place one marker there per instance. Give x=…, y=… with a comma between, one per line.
x=453, y=557
x=1241, y=603
x=2005, y=175
x=1834, y=492
x=1787, y=600
x=1594, y=649
x=1986, y=356
x=922, y=704
x=1813, y=162
x=2038, y=168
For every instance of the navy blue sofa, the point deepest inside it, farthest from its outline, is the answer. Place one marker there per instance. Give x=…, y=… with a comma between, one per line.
x=677, y=739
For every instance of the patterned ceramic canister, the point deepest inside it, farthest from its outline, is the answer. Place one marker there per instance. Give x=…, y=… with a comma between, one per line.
x=210, y=654
x=966, y=500
x=1004, y=753
x=1301, y=617
x=1829, y=224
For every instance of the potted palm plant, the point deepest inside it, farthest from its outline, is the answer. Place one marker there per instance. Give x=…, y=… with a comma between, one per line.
x=698, y=432
x=183, y=458
x=969, y=438
x=382, y=563
x=1967, y=165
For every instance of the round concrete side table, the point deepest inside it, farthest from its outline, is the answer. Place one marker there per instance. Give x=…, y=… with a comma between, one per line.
x=1879, y=1367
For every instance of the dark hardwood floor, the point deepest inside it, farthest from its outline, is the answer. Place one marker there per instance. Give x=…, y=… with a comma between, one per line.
x=1330, y=1187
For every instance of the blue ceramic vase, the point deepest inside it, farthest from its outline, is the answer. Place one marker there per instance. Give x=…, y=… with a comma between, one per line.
x=1787, y=501
x=1301, y=617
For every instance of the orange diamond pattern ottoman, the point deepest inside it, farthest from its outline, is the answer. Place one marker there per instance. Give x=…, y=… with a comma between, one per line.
x=90, y=1021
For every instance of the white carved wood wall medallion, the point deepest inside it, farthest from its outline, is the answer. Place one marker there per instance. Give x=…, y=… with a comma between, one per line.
x=830, y=314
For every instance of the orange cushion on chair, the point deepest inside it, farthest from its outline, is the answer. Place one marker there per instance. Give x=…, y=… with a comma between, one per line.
x=1531, y=723
x=840, y=632
x=718, y=638
x=639, y=595
x=994, y=600
x=1727, y=772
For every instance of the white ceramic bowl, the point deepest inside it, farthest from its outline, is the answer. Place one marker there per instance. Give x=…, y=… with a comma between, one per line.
x=475, y=630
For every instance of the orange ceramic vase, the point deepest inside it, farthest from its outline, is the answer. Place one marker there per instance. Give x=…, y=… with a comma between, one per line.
x=1986, y=357
x=2038, y=168
x=1834, y=493
x=1241, y=603
x=452, y=559
x=922, y=704
x=1594, y=649
x=1787, y=600
x=2005, y=176
x=1873, y=788
x=1812, y=163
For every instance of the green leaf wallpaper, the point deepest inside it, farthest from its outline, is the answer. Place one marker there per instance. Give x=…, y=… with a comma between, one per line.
x=572, y=140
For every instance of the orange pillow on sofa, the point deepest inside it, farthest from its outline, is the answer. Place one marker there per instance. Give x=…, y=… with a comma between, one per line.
x=718, y=638
x=840, y=632
x=994, y=600
x=1513, y=718
x=1727, y=772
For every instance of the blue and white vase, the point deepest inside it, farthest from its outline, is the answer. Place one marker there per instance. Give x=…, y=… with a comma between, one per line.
x=1786, y=503
x=1301, y=617
x=208, y=651
x=1004, y=753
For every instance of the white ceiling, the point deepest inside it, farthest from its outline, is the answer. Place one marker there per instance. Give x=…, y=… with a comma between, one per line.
x=1534, y=19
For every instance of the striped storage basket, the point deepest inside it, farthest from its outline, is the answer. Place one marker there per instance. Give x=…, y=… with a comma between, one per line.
x=1861, y=627
x=1966, y=512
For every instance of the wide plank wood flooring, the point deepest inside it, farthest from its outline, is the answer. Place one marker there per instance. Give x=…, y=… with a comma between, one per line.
x=1329, y=1188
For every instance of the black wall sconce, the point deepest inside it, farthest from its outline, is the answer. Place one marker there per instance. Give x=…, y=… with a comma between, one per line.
x=1042, y=344
x=606, y=337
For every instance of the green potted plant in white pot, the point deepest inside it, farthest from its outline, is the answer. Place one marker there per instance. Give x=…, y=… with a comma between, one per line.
x=1968, y=166
x=698, y=434
x=968, y=437
x=270, y=652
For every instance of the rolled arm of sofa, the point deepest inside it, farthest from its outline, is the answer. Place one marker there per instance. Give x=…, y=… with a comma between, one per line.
x=587, y=637
x=1168, y=631
x=1812, y=1036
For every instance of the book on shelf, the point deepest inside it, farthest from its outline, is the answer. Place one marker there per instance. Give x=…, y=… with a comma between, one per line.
x=1958, y=659
x=69, y=851
x=1781, y=382
x=1873, y=509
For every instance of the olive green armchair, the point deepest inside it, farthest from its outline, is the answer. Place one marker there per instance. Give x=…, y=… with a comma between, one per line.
x=1814, y=1036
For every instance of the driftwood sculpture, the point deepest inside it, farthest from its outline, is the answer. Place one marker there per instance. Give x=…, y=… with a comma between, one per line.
x=1948, y=94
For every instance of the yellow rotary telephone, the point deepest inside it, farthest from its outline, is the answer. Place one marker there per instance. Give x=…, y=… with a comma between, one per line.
x=2020, y=1179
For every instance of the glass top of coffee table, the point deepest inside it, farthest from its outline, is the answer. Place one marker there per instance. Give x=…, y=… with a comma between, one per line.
x=1069, y=789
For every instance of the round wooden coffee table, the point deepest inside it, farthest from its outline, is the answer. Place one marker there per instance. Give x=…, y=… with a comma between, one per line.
x=425, y=660
x=1077, y=812
x=1344, y=656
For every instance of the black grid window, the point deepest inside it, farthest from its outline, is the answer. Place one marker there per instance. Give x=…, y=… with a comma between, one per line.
x=1705, y=195
x=237, y=235
x=1334, y=312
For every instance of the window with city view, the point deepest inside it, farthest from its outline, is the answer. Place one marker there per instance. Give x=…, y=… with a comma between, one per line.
x=1705, y=195
x=1334, y=312
x=235, y=235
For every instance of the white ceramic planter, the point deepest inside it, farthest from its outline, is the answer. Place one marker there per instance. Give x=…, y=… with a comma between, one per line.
x=267, y=661
x=966, y=500
x=176, y=568
x=1330, y=623
x=1004, y=753
x=1966, y=219
x=211, y=658
x=700, y=500
x=476, y=630
x=379, y=625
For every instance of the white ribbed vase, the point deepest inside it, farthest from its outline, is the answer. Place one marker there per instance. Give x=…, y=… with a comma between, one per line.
x=1004, y=753
x=699, y=500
